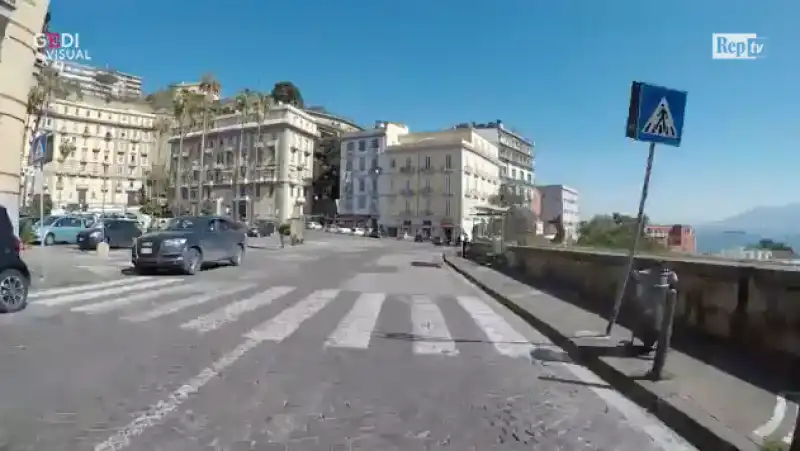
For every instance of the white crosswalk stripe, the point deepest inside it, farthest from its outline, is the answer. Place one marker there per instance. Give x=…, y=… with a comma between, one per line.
x=232, y=312
x=355, y=330
x=199, y=307
x=430, y=329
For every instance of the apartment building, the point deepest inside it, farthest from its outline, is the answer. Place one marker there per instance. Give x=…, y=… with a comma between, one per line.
x=360, y=170
x=250, y=169
x=560, y=200
x=19, y=22
x=432, y=183
x=516, y=153
x=90, y=80
x=102, y=153
x=677, y=237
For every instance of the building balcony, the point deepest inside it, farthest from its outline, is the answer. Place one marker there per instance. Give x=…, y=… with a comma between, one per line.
x=447, y=169
x=407, y=169
x=407, y=192
x=427, y=170
x=468, y=169
x=426, y=191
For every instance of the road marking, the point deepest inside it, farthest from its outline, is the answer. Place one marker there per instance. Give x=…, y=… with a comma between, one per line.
x=788, y=438
x=505, y=338
x=355, y=330
x=778, y=413
x=157, y=412
x=107, y=306
x=176, y=306
x=430, y=330
x=89, y=295
x=74, y=289
x=233, y=312
x=288, y=321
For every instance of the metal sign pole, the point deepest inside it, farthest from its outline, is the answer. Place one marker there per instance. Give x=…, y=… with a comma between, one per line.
x=655, y=115
x=635, y=242
x=41, y=162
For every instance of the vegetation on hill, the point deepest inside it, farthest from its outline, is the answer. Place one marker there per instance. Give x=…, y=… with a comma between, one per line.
x=614, y=231
x=771, y=245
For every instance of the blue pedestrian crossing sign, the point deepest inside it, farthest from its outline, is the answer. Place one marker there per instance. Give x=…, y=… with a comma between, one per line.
x=656, y=114
x=41, y=149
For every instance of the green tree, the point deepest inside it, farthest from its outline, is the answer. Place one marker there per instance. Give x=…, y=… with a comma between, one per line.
x=287, y=92
x=519, y=221
x=33, y=207
x=614, y=231
x=325, y=186
x=771, y=245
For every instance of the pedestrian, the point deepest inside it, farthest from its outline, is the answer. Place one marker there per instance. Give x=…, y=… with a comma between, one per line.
x=464, y=245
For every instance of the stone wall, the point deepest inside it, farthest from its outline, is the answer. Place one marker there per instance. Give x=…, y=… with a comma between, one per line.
x=753, y=304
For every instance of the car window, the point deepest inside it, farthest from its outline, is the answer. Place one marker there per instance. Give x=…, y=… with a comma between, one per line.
x=180, y=224
x=213, y=225
x=71, y=222
x=224, y=226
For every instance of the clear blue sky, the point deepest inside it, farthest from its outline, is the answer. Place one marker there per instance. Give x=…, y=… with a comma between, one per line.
x=559, y=71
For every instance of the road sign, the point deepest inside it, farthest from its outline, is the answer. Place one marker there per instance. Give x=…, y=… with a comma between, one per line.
x=42, y=149
x=656, y=114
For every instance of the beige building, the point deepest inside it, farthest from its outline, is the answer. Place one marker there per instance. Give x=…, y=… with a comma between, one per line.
x=272, y=173
x=103, y=152
x=20, y=21
x=192, y=87
x=431, y=183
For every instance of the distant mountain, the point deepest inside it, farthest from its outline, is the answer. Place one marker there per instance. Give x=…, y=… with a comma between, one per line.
x=777, y=223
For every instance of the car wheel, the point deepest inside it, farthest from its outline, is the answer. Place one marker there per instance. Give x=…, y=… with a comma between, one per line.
x=49, y=240
x=192, y=262
x=13, y=291
x=238, y=255
x=143, y=270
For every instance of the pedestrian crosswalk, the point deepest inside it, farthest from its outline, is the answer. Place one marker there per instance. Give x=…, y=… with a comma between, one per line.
x=432, y=325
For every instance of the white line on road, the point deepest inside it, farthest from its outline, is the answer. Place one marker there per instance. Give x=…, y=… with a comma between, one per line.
x=107, y=306
x=74, y=289
x=157, y=412
x=89, y=295
x=778, y=413
x=288, y=321
x=176, y=306
x=233, y=312
x=355, y=330
x=788, y=438
x=430, y=329
x=505, y=338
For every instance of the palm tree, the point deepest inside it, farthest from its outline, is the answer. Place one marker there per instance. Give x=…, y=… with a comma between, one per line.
x=181, y=109
x=262, y=104
x=66, y=149
x=243, y=102
x=209, y=87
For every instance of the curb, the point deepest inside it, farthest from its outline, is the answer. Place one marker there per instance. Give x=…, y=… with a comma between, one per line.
x=682, y=423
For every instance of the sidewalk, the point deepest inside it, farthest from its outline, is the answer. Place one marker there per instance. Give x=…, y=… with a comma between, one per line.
x=711, y=408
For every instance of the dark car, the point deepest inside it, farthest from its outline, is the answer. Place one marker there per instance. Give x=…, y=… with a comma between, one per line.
x=261, y=228
x=14, y=275
x=375, y=233
x=116, y=232
x=187, y=242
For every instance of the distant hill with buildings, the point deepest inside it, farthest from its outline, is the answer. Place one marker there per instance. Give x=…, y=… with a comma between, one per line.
x=779, y=223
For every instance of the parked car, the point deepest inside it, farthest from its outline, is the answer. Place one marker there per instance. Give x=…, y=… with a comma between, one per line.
x=261, y=228
x=187, y=243
x=116, y=232
x=59, y=229
x=375, y=233
x=14, y=275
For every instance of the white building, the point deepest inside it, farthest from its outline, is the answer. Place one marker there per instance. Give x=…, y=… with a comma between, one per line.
x=516, y=153
x=194, y=88
x=430, y=183
x=266, y=174
x=560, y=200
x=360, y=170
x=103, y=152
x=126, y=86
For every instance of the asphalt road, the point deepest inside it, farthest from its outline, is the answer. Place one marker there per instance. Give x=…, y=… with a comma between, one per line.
x=340, y=344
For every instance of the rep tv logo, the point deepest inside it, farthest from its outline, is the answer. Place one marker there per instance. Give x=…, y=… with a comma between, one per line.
x=62, y=47
x=737, y=46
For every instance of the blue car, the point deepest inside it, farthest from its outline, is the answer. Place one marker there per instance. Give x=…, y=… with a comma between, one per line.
x=59, y=229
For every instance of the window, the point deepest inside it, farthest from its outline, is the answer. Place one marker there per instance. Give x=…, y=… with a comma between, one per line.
x=448, y=161
x=361, y=185
x=427, y=162
x=392, y=163
x=362, y=202
x=362, y=164
x=447, y=185
x=349, y=165
x=447, y=207
x=375, y=144
x=362, y=146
